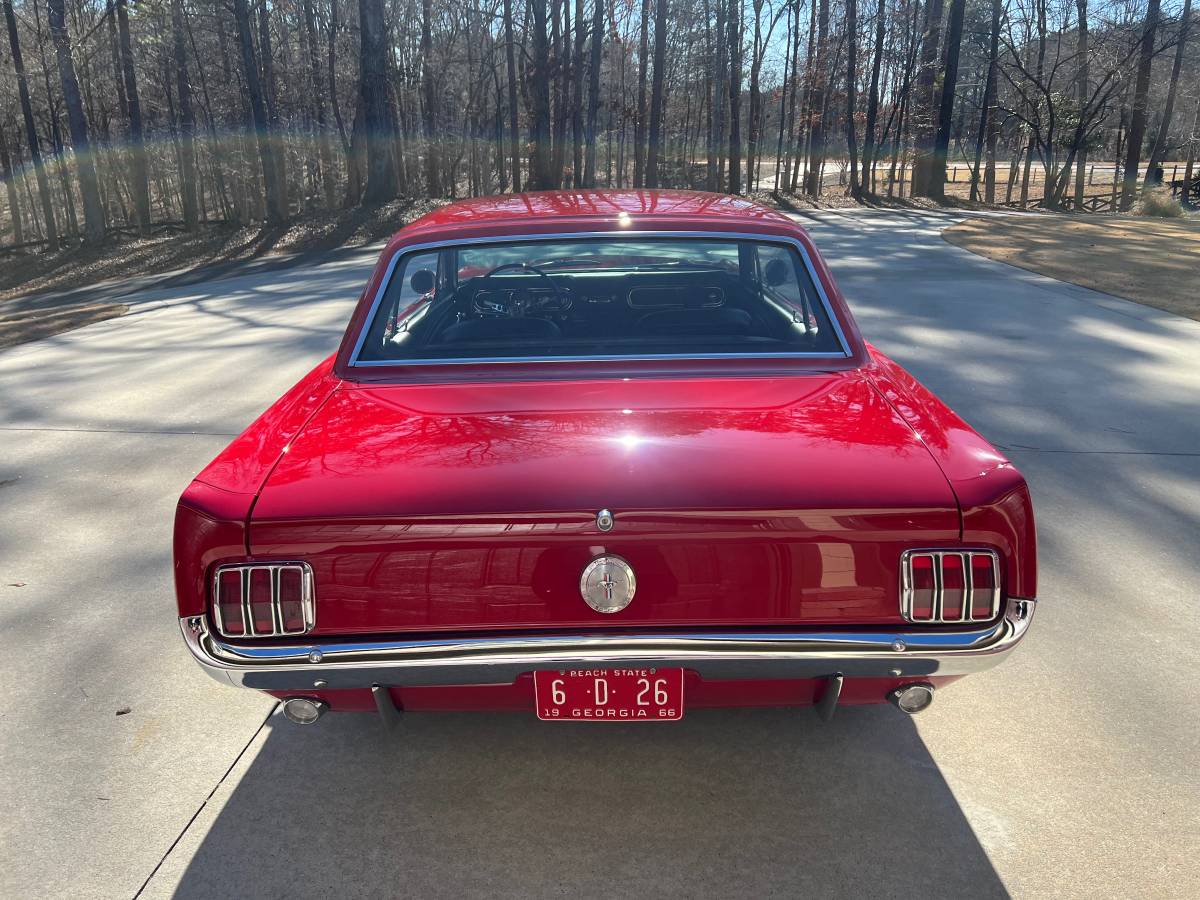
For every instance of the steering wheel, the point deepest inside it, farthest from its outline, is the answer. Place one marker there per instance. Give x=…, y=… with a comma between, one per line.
x=518, y=309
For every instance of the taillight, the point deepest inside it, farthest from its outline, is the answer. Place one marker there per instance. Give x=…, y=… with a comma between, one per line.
x=949, y=585
x=263, y=600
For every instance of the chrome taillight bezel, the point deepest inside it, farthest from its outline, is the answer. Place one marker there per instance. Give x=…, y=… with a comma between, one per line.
x=967, y=556
x=308, y=605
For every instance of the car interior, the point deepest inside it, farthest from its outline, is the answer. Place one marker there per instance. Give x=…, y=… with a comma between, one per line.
x=598, y=305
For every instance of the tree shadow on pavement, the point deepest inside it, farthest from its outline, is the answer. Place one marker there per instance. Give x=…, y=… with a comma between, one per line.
x=725, y=803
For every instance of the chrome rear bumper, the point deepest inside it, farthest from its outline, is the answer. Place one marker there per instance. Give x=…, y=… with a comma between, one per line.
x=716, y=655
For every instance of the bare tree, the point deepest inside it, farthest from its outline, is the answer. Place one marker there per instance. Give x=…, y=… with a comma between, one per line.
x=869, y=151
x=941, y=147
x=656, y=93
x=187, y=122
x=141, y=172
x=851, y=79
x=541, y=164
x=639, y=126
x=514, y=148
x=589, y=177
x=31, y=135
x=93, y=209
x=1141, y=93
x=1160, y=140
x=926, y=101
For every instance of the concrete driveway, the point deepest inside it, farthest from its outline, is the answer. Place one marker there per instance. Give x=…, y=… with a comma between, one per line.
x=1070, y=771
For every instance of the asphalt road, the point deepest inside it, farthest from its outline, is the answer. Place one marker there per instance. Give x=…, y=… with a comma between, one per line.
x=1069, y=771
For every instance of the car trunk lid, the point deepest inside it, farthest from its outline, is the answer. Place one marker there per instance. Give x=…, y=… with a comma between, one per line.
x=473, y=506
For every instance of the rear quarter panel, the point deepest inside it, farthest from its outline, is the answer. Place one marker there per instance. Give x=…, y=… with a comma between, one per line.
x=992, y=494
x=214, y=511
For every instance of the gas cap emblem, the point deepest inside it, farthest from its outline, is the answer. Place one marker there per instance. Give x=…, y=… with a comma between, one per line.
x=607, y=584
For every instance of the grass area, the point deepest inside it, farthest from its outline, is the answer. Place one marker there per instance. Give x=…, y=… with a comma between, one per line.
x=1151, y=261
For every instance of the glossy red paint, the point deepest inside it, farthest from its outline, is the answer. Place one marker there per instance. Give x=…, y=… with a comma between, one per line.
x=746, y=492
x=757, y=500
x=992, y=496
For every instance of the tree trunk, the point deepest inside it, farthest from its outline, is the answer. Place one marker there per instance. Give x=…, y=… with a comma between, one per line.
x=816, y=136
x=10, y=185
x=589, y=173
x=514, y=140
x=639, y=124
x=941, y=147
x=851, y=77
x=432, y=180
x=925, y=110
x=141, y=170
x=541, y=164
x=788, y=80
x=331, y=64
x=93, y=209
x=1081, y=93
x=324, y=152
x=716, y=135
x=1160, y=142
x=752, y=118
x=378, y=126
x=654, y=151
x=869, y=144
x=1141, y=91
x=266, y=57
x=35, y=150
x=577, y=138
x=735, y=96
x=987, y=133
x=187, y=123
x=275, y=212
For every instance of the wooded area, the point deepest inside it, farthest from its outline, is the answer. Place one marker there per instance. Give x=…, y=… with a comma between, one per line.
x=119, y=117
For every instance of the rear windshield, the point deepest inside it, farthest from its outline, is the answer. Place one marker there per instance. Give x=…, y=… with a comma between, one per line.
x=599, y=298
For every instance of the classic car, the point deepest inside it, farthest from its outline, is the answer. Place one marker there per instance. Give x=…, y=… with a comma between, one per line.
x=603, y=456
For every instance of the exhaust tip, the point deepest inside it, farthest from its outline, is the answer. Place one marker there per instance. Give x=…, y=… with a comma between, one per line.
x=912, y=698
x=304, y=710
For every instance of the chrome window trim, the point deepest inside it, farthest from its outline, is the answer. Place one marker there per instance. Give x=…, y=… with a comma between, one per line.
x=357, y=363
x=308, y=604
x=936, y=612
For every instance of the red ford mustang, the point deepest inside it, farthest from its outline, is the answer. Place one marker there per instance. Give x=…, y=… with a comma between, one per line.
x=603, y=456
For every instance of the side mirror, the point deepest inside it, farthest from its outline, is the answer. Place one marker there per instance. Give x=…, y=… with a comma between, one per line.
x=775, y=273
x=421, y=281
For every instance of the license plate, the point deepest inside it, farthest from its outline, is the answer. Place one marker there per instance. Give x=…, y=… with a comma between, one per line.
x=609, y=695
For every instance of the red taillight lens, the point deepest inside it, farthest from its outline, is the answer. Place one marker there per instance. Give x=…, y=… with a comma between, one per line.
x=922, y=587
x=983, y=586
x=291, y=599
x=260, y=601
x=949, y=585
x=229, y=602
x=954, y=586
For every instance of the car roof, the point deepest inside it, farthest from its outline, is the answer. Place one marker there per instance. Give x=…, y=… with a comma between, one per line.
x=600, y=210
